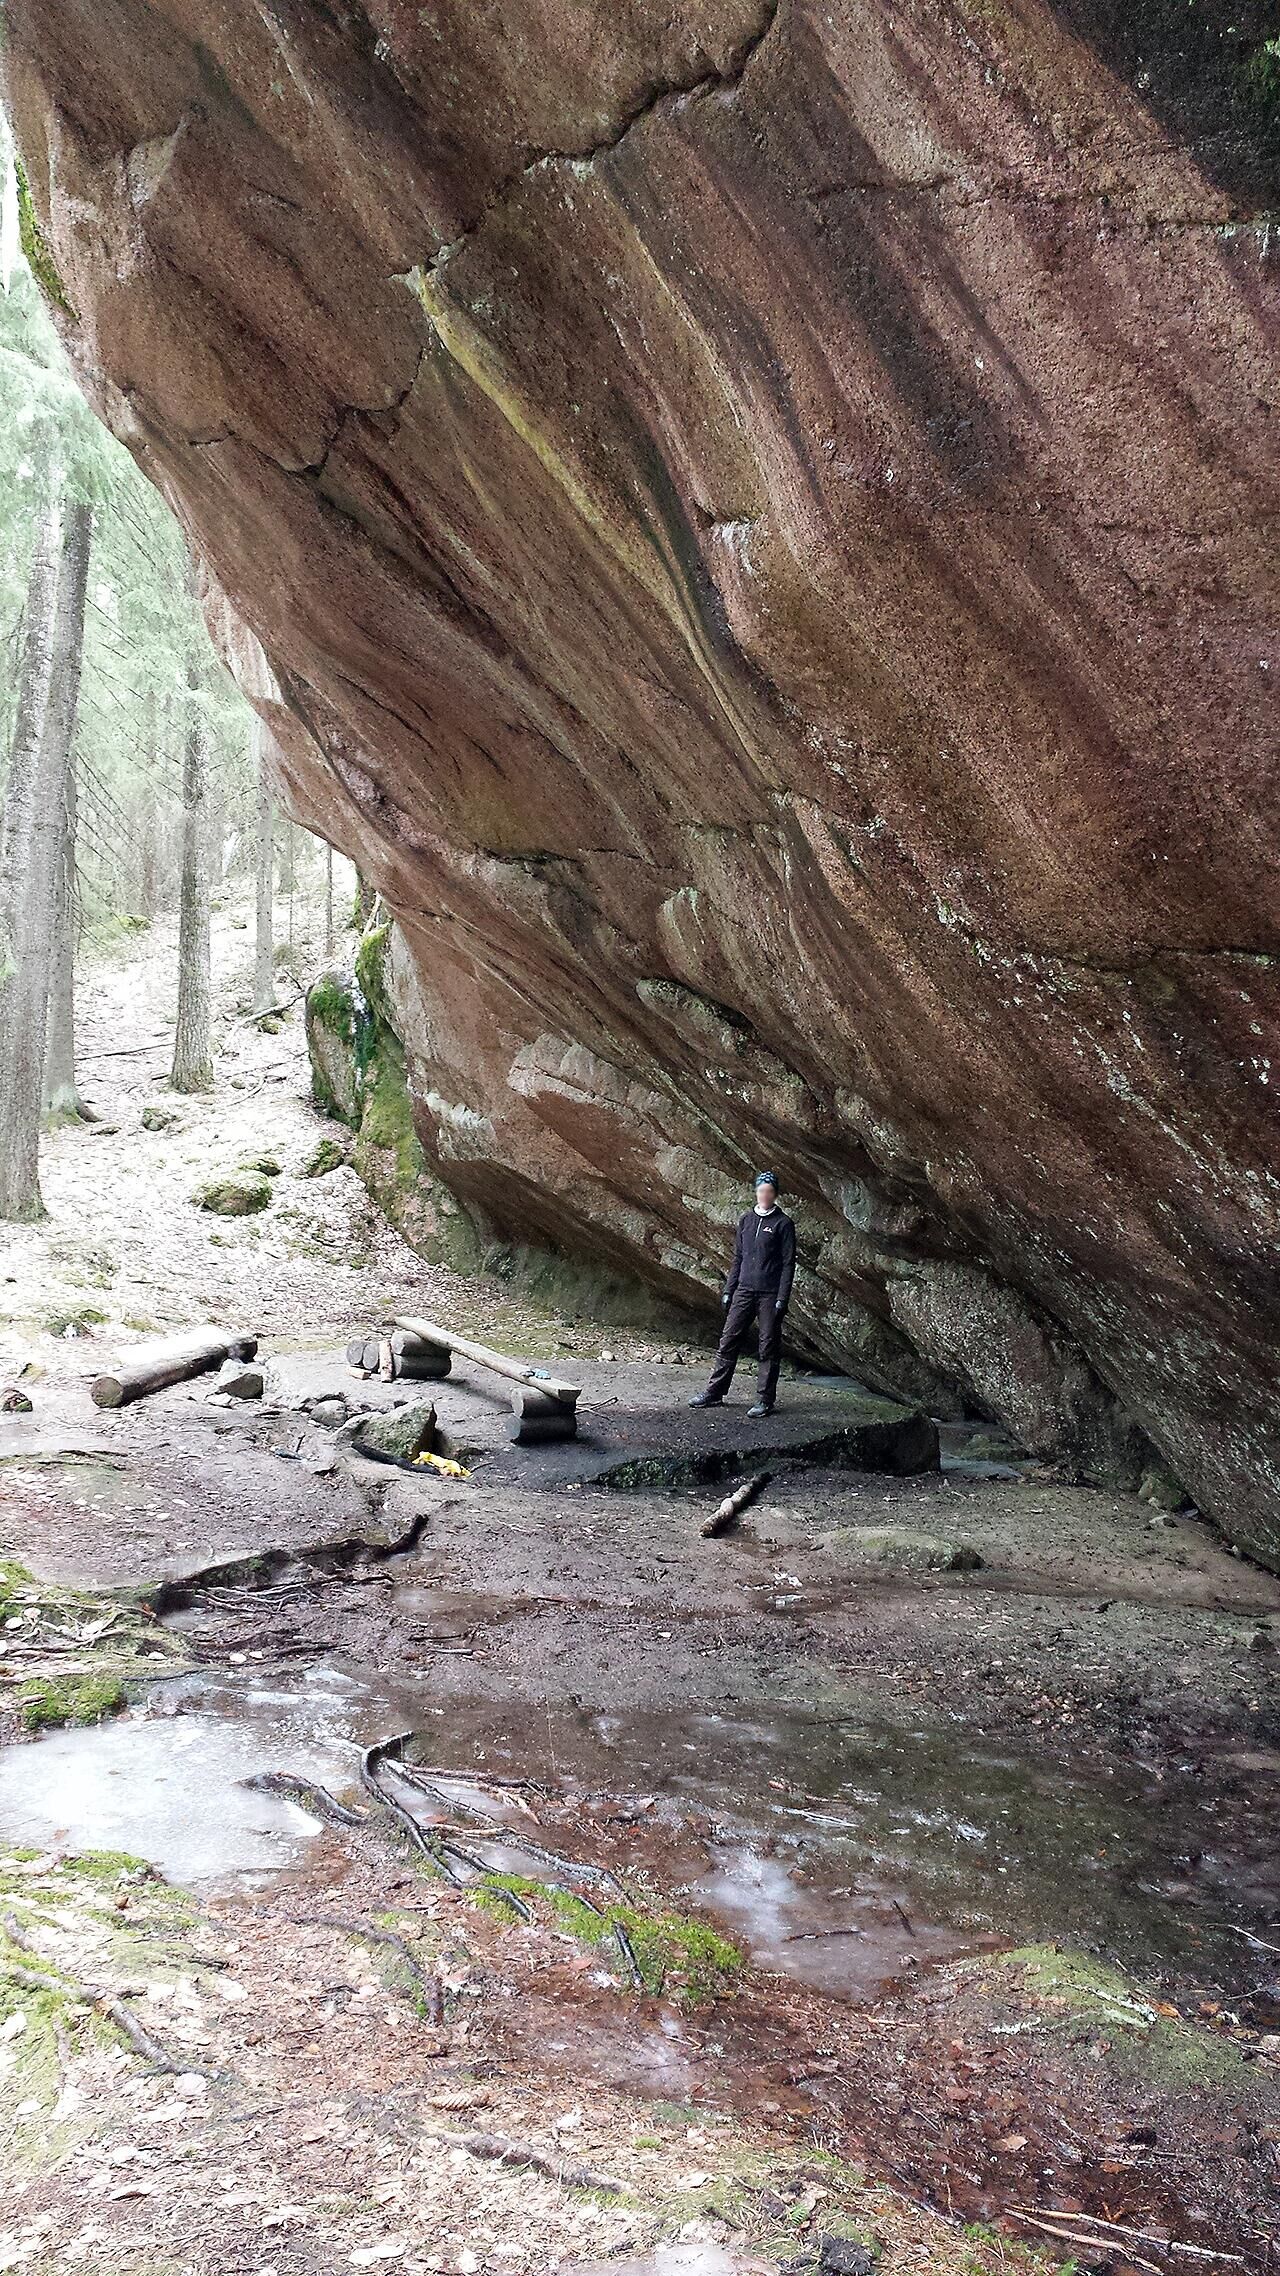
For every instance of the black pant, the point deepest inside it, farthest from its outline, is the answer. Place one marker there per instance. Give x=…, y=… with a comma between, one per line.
x=746, y=1305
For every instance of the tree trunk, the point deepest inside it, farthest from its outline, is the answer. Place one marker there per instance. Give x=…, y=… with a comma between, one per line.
x=192, y=1054
x=26, y=996
x=149, y=824
x=61, y=1098
x=264, y=971
x=28, y=727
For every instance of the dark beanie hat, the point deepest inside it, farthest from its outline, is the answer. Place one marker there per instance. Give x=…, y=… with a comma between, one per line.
x=768, y=1177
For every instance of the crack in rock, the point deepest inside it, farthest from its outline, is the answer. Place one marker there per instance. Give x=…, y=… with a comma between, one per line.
x=654, y=98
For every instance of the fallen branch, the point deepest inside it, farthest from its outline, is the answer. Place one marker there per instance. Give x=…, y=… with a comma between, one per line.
x=1122, y=2228
x=504, y=2151
x=429, y=1985
x=733, y=1504
x=1073, y=2236
x=1259, y=1942
x=810, y=1935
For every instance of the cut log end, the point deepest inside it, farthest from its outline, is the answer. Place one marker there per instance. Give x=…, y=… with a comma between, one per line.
x=537, y=1419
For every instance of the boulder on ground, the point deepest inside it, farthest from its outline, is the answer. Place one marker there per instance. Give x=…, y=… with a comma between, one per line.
x=241, y=1193
x=266, y=1165
x=13, y=1401
x=157, y=1117
x=900, y=1545
x=403, y=1431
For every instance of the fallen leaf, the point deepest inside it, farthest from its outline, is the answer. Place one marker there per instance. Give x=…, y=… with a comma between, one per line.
x=1012, y=2142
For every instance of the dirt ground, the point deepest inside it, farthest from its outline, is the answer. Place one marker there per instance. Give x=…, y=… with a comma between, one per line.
x=977, y=1771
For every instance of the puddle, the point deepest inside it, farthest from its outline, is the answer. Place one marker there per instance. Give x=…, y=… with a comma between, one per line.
x=842, y=1854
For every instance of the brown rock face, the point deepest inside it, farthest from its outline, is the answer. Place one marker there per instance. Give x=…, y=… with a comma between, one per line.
x=763, y=517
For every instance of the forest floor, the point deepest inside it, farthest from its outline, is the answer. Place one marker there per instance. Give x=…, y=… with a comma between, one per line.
x=893, y=1881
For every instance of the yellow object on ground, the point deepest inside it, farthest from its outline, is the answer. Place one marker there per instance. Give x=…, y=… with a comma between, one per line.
x=441, y=1462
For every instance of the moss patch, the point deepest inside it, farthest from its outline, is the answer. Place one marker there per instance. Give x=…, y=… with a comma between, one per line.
x=49, y=1702
x=77, y=1322
x=329, y=1155
x=1085, y=1999
x=240, y=1194
x=35, y=246
x=672, y=1950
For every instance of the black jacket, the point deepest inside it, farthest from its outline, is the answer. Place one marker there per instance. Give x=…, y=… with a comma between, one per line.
x=764, y=1257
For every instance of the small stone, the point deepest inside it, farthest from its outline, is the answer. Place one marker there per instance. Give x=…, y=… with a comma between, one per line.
x=330, y=1154
x=840, y=2256
x=13, y=1401
x=241, y=1194
x=265, y=1165
x=236, y=1380
x=159, y=1118
x=608, y=1355
x=329, y=1411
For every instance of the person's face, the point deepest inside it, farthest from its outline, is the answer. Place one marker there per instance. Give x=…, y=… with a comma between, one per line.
x=766, y=1195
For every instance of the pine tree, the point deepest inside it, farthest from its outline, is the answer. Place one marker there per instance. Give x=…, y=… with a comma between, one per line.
x=192, y=1045
x=38, y=788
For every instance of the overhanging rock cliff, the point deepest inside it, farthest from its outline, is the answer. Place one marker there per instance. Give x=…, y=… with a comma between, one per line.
x=763, y=517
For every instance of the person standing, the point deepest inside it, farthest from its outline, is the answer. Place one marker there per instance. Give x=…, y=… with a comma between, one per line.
x=757, y=1290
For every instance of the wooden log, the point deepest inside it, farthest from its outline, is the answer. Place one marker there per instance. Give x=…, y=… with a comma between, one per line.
x=152, y=1367
x=427, y=1367
x=536, y=1418
x=734, y=1503
x=417, y=1360
x=514, y=1370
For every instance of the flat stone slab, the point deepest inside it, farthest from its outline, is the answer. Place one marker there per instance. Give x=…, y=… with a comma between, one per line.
x=635, y=1425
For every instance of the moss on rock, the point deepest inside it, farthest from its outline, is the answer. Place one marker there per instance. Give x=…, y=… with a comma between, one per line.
x=359, y=1076
x=330, y=1154
x=35, y=246
x=242, y=1193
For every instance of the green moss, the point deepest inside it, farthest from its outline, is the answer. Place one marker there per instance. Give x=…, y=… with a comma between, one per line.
x=262, y=1165
x=51, y=1701
x=1262, y=74
x=77, y=1322
x=329, y=1155
x=329, y=1005
x=240, y=1194
x=667, y=1945
x=371, y=958
x=35, y=246
x=1083, y=1998
x=13, y=1579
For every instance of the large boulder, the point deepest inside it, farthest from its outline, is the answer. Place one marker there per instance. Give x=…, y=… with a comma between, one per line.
x=762, y=519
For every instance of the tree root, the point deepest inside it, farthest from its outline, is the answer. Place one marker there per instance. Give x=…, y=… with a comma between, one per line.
x=106, y=2003
x=504, y=2151
x=430, y=1986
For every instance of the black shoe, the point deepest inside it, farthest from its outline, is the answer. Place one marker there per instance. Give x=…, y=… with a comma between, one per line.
x=705, y=1399
x=756, y=1413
